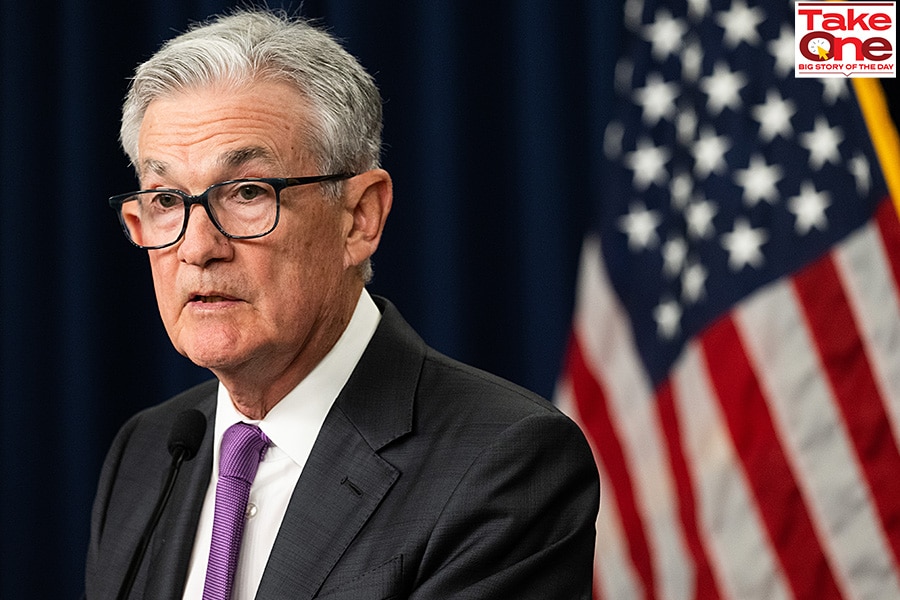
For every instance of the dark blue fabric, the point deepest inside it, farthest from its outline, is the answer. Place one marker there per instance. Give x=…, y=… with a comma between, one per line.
x=494, y=118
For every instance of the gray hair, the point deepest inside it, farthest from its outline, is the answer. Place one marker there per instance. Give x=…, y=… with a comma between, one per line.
x=257, y=45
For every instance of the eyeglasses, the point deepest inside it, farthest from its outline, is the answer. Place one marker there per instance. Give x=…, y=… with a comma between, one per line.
x=241, y=209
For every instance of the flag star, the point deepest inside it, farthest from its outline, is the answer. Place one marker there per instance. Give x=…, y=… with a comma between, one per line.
x=667, y=315
x=699, y=216
x=809, y=208
x=640, y=226
x=759, y=181
x=698, y=9
x=834, y=89
x=822, y=143
x=859, y=168
x=674, y=253
x=782, y=49
x=634, y=13
x=740, y=23
x=723, y=88
x=657, y=99
x=665, y=34
x=691, y=61
x=681, y=187
x=648, y=163
x=693, y=283
x=686, y=126
x=774, y=117
x=743, y=244
x=709, y=153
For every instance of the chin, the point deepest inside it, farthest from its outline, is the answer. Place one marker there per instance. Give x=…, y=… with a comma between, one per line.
x=209, y=345
x=211, y=361
x=212, y=353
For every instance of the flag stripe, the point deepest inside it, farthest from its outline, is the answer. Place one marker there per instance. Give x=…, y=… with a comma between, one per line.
x=779, y=500
x=594, y=417
x=829, y=477
x=870, y=279
x=889, y=227
x=779, y=346
x=615, y=577
x=630, y=405
x=834, y=328
x=732, y=528
x=706, y=586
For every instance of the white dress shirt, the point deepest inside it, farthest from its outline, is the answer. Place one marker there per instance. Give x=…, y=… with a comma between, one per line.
x=292, y=427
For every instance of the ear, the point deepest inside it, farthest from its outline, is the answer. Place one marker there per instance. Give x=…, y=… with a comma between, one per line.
x=367, y=202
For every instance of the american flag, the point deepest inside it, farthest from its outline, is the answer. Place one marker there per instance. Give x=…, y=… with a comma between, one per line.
x=735, y=358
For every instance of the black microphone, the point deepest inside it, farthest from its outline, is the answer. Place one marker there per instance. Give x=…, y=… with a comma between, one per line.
x=187, y=435
x=184, y=442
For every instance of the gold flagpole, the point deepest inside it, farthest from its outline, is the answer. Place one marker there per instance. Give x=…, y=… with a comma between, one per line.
x=882, y=131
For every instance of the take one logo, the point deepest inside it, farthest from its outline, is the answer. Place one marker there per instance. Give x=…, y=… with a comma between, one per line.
x=845, y=39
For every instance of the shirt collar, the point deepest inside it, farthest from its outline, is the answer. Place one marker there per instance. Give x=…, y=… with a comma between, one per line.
x=294, y=423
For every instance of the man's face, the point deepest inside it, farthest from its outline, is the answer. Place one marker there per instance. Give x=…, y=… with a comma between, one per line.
x=245, y=308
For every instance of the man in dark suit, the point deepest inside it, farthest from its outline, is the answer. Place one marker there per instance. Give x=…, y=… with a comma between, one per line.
x=387, y=470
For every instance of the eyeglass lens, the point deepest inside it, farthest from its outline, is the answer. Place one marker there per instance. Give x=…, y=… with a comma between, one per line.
x=240, y=209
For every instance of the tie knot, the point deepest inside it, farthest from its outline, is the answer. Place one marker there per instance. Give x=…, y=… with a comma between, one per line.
x=243, y=446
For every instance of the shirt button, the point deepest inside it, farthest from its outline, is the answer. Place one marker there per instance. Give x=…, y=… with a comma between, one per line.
x=251, y=511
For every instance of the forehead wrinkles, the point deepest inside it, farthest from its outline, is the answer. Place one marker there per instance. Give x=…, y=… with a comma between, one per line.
x=270, y=117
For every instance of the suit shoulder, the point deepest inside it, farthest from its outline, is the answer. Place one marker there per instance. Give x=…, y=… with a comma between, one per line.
x=457, y=382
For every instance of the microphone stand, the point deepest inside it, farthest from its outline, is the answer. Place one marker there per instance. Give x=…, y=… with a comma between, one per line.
x=144, y=542
x=185, y=439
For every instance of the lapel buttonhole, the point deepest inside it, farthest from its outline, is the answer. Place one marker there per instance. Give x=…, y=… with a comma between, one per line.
x=352, y=486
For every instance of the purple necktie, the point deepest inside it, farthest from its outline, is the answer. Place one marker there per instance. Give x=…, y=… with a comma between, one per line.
x=243, y=446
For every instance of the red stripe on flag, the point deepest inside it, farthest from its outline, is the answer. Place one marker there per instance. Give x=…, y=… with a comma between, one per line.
x=769, y=475
x=889, y=227
x=595, y=419
x=843, y=355
x=706, y=588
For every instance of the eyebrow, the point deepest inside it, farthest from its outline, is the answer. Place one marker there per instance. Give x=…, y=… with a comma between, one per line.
x=156, y=167
x=229, y=160
x=241, y=156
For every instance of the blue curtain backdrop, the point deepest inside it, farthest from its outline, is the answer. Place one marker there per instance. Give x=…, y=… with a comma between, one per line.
x=493, y=112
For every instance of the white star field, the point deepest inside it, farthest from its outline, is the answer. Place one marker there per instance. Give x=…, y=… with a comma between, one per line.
x=718, y=151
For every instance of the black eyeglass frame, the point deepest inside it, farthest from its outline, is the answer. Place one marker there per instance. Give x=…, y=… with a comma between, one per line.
x=277, y=183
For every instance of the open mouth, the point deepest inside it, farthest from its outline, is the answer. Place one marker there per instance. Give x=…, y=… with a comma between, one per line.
x=210, y=299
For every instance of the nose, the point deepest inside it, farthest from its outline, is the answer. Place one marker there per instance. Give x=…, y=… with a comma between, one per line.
x=202, y=242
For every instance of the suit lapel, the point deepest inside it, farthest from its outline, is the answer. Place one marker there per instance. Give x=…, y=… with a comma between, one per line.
x=345, y=479
x=342, y=483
